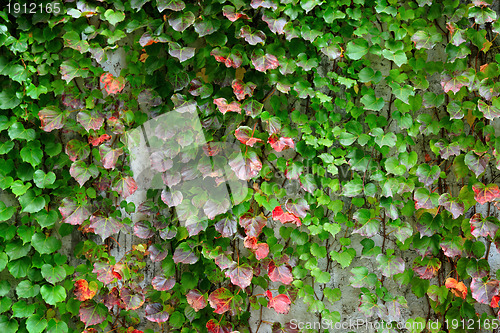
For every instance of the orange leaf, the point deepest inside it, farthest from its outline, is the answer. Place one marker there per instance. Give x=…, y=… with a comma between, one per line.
x=82, y=290
x=457, y=288
x=111, y=84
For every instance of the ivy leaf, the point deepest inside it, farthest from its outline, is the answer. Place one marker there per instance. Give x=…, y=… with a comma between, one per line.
x=221, y=300
x=424, y=39
x=112, y=85
x=453, y=84
x=252, y=37
x=32, y=153
x=452, y=149
x=72, y=212
x=214, y=326
x=428, y=175
x=261, y=251
x=31, y=203
x=196, y=300
x=53, y=274
x=490, y=111
x=25, y=289
x=264, y=4
x=213, y=208
x=34, y=324
x=124, y=186
x=114, y=17
x=264, y=61
x=133, y=298
x=280, y=144
x=371, y=102
x=247, y=167
x=241, y=275
x=142, y=231
x=427, y=268
x=206, y=27
x=390, y=265
x=253, y=225
x=83, y=291
x=482, y=227
x=184, y=254
x=109, y=156
x=90, y=120
x=179, y=52
x=51, y=118
x=298, y=208
x=242, y=89
x=45, y=244
x=17, y=131
x=156, y=313
x=245, y=135
x=8, y=99
x=476, y=164
x=171, y=199
x=457, y=288
x=70, y=69
x=232, y=15
x=92, y=313
x=77, y=150
x=43, y=179
x=356, y=49
x=352, y=188
x=454, y=206
x=282, y=273
x=82, y=172
x=181, y=21
x=482, y=14
x=485, y=193
x=362, y=278
x=252, y=108
x=398, y=57
x=225, y=107
x=483, y=292
x=226, y=227
x=280, y=303
x=424, y=199
x=6, y=212
x=53, y=294
x=332, y=51
x=104, y=226
x=57, y=326
x=280, y=215
x=276, y=25
x=175, y=5
x=161, y=283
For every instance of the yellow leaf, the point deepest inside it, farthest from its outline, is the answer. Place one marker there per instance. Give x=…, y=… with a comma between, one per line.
x=240, y=72
x=432, y=211
x=201, y=74
x=470, y=118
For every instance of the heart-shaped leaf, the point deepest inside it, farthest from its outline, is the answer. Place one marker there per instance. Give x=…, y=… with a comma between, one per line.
x=240, y=274
x=252, y=37
x=483, y=291
x=225, y=107
x=181, y=21
x=253, y=225
x=281, y=273
x=230, y=13
x=175, y=5
x=485, y=193
x=53, y=294
x=112, y=85
x=72, y=212
x=71, y=69
x=490, y=111
x=31, y=203
x=125, y=186
x=109, y=156
x=196, y=300
x=133, y=298
x=242, y=89
x=179, y=52
x=43, y=179
x=252, y=108
x=281, y=143
x=92, y=313
x=156, y=313
x=222, y=300
x=53, y=274
x=90, y=120
x=82, y=172
x=247, y=167
x=245, y=135
x=264, y=61
x=184, y=254
x=52, y=118
x=454, y=206
x=161, y=283
x=483, y=227
x=83, y=291
x=77, y=150
x=476, y=163
x=104, y=226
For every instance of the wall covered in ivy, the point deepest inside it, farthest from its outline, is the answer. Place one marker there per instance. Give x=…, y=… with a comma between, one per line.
x=252, y=166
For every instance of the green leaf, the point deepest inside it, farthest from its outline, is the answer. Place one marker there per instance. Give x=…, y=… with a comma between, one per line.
x=4, y=287
x=31, y=203
x=19, y=188
x=57, y=326
x=6, y=212
x=53, y=274
x=3, y=260
x=43, y=179
x=372, y=103
x=17, y=131
x=8, y=325
x=19, y=268
x=16, y=249
x=367, y=74
x=36, y=323
x=114, y=17
x=53, y=294
x=8, y=99
x=22, y=310
x=25, y=289
x=398, y=57
x=5, y=147
x=32, y=153
x=356, y=49
x=71, y=69
x=45, y=244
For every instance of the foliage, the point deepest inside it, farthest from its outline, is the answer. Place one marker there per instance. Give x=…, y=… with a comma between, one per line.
x=390, y=151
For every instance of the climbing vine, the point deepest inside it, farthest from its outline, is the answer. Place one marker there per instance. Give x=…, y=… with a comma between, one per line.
x=254, y=149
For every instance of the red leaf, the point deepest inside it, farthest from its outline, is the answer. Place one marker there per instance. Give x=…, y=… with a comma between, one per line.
x=112, y=299
x=280, y=144
x=104, y=226
x=232, y=15
x=282, y=273
x=104, y=272
x=427, y=268
x=253, y=224
x=262, y=251
x=109, y=156
x=275, y=25
x=52, y=118
x=142, y=231
x=156, y=254
x=241, y=275
x=225, y=107
x=184, y=254
x=457, y=288
x=245, y=135
x=221, y=300
x=96, y=141
x=262, y=62
x=213, y=326
x=483, y=292
x=250, y=242
x=196, y=300
x=82, y=290
x=161, y=283
x=77, y=150
x=92, y=313
x=242, y=89
x=247, y=167
x=124, y=186
x=280, y=303
x=482, y=227
x=494, y=301
x=133, y=298
x=224, y=260
x=112, y=85
x=280, y=215
x=73, y=213
x=90, y=120
x=298, y=209
x=156, y=313
x=485, y=193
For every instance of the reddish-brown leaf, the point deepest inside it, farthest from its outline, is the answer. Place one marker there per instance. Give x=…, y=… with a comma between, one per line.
x=225, y=107
x=457, y=288
x=280, y=215
x=280, y=303
x=52, y=118
x=282, y=273
x=112, y=85
x=196, y=300
x=245, y=135
x=485, y=193
x=242, y=89
x=280, y=144
x=82, y=290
